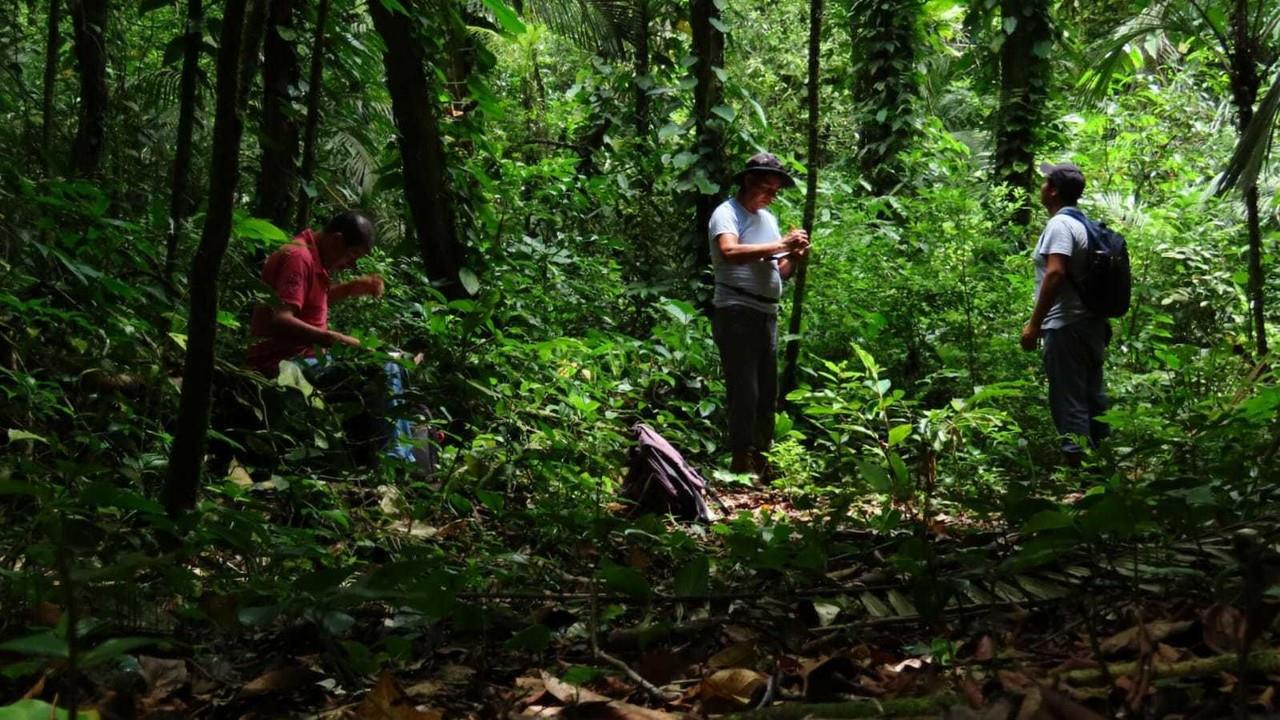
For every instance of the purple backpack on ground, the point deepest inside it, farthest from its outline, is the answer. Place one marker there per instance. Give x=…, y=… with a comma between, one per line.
x=659, y=479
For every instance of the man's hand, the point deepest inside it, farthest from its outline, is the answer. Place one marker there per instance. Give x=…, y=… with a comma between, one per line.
x=1030, y=337
x=371, y=285
x=795, y=240
x=337, y=338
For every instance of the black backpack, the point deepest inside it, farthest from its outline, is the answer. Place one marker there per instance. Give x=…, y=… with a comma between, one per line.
x=659, y=479
x=1106, y=286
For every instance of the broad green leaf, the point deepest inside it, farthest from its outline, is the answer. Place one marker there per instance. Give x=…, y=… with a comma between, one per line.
x=113, y=649
x=898, y=433
x=623, y=579
x=30, y=709
x=45, y=644
x=469, y=281
x=1047, y=520
x=725, y=112
x=694, y=578
x=16, y=435
x=669, y=130
x=506, y=17
x=534, y=638
x=248, y=227
x=876, y=476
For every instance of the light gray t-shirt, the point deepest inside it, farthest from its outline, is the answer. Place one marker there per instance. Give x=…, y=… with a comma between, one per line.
x=1063, y=235
x=758, y=278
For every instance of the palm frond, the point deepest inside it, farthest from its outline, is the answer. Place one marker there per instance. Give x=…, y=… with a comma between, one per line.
x=603, y=26
x=1254, y=145
x=1163, y=19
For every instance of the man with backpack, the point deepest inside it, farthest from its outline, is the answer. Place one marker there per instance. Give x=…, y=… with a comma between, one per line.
x=1082, y=278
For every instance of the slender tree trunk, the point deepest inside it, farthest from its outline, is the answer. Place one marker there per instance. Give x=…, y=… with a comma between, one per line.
x=885, y=38
x=790, y=370
x=180, y=194
x=1023, y=75
x=642, y=82
x=421, y=152
x=708, y=48
x=278, y=176
x=314, y=92
x=236, y=65
x=53, y=43
x=1244, y=91
x=89, y=20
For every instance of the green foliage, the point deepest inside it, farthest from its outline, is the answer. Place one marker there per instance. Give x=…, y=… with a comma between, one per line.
x=582, y=316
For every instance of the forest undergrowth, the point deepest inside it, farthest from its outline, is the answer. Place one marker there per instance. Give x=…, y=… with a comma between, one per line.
x=918, y=549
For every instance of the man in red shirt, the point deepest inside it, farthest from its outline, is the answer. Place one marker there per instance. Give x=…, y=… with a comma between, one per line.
x=298, y=321
x=299, y=273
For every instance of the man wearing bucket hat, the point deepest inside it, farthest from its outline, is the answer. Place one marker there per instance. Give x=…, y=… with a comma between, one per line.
x=751, y=258
x=1074, y=338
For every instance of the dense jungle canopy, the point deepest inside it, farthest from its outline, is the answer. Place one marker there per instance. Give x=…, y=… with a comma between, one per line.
x=181, y=536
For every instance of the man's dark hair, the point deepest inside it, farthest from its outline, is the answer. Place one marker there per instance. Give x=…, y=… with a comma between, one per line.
x=1066, y=179
x=355, y=227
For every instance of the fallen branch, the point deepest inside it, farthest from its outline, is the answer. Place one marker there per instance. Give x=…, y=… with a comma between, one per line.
x=1266, y=661
x=649, y=688
x=899, y=707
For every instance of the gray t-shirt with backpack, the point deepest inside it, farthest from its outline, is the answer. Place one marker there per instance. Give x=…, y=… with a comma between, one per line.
x=1063, y=235
x=737, y=283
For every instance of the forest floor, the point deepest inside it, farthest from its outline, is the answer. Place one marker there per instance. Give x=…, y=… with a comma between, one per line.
x=1086, y=637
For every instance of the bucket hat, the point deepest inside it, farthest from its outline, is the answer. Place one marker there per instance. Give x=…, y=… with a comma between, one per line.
x=766, y=163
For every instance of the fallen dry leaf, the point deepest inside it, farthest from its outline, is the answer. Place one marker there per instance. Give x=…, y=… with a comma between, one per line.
x=1031, y=702
x=732, y=689
x=736, y=655
x=986, y=649
x=1224, y=628
x=1267, y=699
x=571, y=694
x=164, y=676
x=280, y=680
x=1131, y=639
x=386, y=701
x=36, y=689
x=1061, y=707
x=972, y=691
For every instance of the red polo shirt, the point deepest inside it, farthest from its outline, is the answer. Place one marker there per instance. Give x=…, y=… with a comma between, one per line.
x=298, y=279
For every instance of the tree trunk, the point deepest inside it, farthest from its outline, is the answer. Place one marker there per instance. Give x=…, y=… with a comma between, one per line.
x=89, y=19
x=790, y=370
x=278, y=176
x=421, y=152
x=1023, y=77
x=236, y=66
x=708, y=48
x=885, y=41
x=53, y=43
x=180, y=195
x=314, y=82
x=1244, y=91
x=642, y=81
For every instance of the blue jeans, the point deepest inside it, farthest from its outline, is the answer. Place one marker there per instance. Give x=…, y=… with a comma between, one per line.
x=1073, y=357
x=368, y=430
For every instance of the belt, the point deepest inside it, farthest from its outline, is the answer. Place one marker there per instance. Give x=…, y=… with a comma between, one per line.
x=748, y=293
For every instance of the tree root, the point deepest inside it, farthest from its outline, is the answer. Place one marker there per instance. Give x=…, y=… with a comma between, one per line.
x=1265, y=661
x=899, y=707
